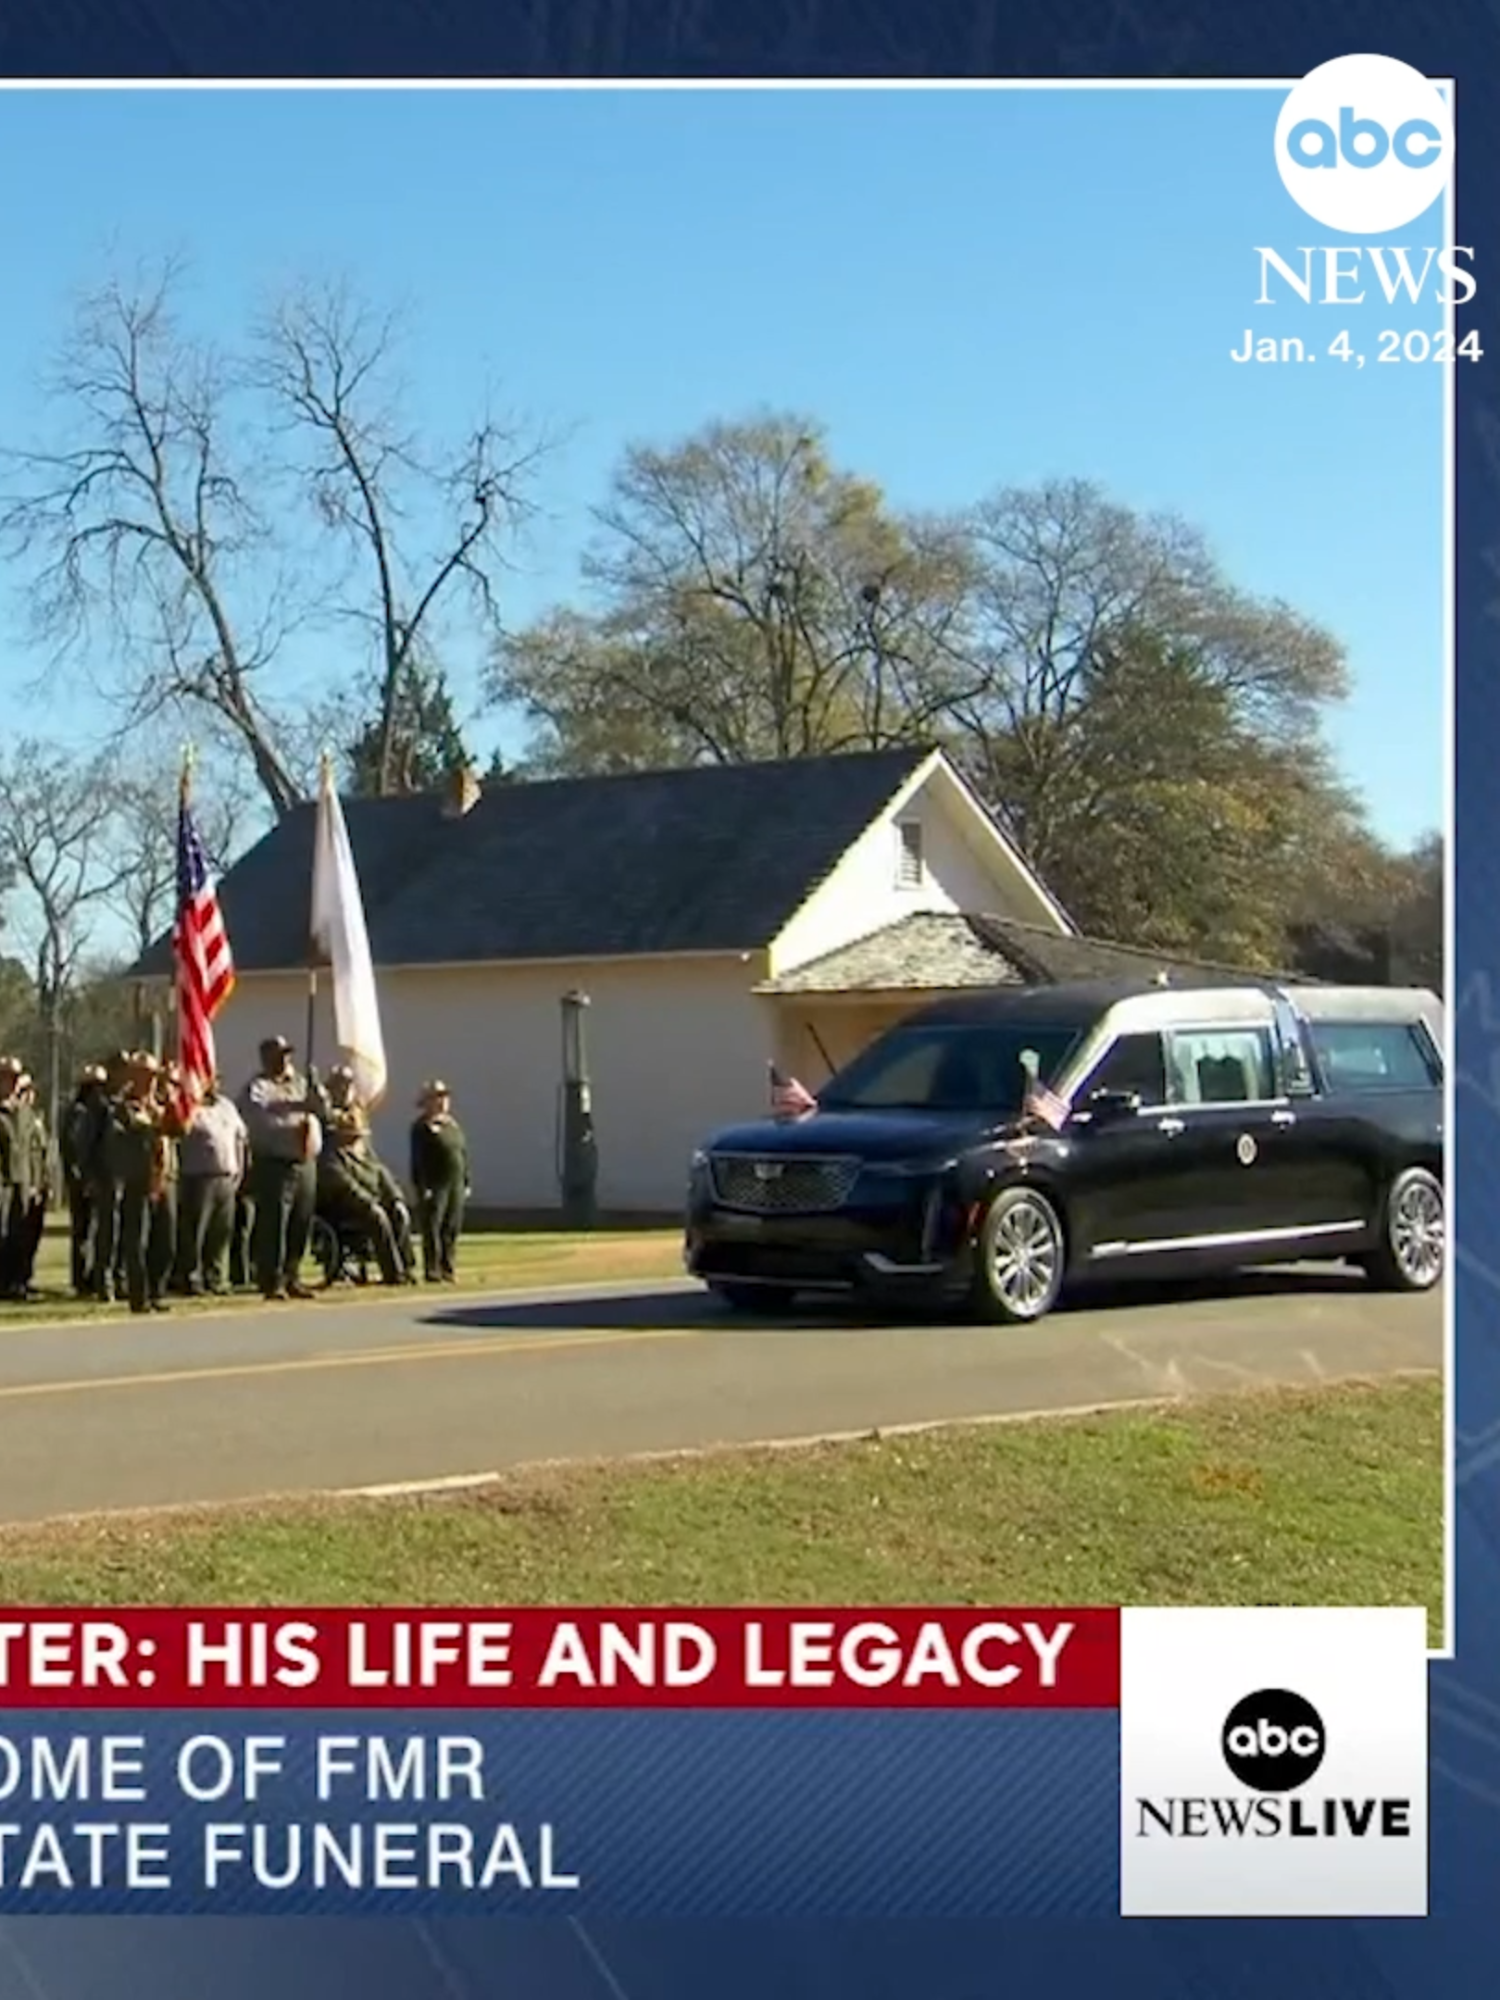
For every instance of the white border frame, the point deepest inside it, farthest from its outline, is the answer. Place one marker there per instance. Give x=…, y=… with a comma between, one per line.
x=682, y=85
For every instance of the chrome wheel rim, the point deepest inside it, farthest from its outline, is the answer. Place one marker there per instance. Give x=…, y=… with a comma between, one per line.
x=1025, y=1255
x=1417, y=1233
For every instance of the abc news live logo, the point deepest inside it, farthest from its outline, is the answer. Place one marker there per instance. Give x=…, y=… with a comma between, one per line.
x=1364, y=145
x=1273, y=1743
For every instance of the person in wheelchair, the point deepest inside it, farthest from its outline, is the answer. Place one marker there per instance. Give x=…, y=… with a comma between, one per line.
x=357, y=1193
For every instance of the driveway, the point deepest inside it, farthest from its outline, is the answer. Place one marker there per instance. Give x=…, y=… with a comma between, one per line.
x=368, y=1391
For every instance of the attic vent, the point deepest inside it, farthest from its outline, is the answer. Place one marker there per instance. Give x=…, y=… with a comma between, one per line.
x=462, y=793
x=909, y=854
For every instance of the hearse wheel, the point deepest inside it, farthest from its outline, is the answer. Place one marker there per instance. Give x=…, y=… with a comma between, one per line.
x=1410, y=1256
x=1021, y=1258
x=765, y=1301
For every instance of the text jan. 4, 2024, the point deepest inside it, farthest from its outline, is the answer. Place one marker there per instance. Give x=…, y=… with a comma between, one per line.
x=1414, y=345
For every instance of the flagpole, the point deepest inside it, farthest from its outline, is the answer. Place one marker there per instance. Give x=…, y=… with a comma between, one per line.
x=325, y=768
x=184, y=799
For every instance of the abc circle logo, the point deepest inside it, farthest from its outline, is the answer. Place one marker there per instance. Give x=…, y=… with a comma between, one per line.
x=1274, y=1740
x=1364, y=144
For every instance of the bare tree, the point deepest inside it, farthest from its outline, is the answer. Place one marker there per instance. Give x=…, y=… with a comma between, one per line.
x=56, y=837
x=754, y=601
x=423, y=527
x=145, y=519
x=1071, y=589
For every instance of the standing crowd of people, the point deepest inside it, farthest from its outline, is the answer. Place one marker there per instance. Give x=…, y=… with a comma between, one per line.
x=221, y=1196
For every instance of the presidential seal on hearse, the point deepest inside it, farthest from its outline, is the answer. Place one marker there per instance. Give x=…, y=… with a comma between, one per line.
x=994, y=1149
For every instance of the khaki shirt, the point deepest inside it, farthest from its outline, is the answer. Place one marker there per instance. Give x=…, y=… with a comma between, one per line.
x=274, y=1109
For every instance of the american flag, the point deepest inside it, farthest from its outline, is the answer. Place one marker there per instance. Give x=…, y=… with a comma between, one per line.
x=788, y=1098
x=205, y=966
x=1045, y=1104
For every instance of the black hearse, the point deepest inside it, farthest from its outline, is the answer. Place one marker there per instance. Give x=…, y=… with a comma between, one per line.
x=991, y=1149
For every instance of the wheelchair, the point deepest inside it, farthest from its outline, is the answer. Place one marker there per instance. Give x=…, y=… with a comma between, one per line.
x=343, y=1251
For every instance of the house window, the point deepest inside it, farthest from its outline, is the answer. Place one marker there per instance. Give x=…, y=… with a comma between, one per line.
x=909, y=854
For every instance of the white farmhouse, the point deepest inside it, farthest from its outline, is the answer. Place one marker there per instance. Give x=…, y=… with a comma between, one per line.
x=716, y=917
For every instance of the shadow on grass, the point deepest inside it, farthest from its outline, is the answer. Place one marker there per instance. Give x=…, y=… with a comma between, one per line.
x=693, y=1308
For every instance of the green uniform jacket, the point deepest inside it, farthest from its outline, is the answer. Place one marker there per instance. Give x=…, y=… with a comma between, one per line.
x=439, y=1154
x=140, y=1144
x=79, y=1130
x=42, y=1178
x=23, y=1149
x=347, y=1154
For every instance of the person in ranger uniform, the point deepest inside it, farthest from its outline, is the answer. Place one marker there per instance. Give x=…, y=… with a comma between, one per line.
x=15, y=1172
x=355, y=1186
x=40, y=1188
x=145, y=1125
x=107, y=1274
x=283, y=1114
x=440, y=1176
x=79, y=1125
x=214, y=1157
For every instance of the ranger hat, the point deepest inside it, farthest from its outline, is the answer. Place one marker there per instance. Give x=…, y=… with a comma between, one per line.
x=437, y=1088
x=92, y=1073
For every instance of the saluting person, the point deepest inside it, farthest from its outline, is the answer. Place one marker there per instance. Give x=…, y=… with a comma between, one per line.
x=440, y=1179
x=145, y=1125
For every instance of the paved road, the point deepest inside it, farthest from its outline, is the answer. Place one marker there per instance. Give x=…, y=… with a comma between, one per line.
x=356, y=1392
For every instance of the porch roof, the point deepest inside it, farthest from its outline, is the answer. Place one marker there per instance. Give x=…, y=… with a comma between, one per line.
x=941, y=951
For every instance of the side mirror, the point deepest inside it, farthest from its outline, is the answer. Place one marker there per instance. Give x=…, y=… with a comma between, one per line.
x=1108, y=1107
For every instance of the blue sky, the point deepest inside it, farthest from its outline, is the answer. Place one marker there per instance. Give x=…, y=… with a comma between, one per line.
x=970, y=289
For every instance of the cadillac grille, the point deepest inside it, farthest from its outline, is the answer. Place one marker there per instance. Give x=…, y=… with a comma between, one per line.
x=786, y=1186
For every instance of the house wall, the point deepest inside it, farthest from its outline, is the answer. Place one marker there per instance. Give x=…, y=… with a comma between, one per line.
x=966, y=866
x=676, y=1047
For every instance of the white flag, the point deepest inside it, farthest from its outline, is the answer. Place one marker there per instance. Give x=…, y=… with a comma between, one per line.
x=338, y=931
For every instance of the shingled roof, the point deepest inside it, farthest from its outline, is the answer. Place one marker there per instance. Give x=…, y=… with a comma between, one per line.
x=714, y=858
x=936, y=951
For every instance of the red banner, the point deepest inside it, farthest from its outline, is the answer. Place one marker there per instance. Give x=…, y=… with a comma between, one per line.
x=802, y=1658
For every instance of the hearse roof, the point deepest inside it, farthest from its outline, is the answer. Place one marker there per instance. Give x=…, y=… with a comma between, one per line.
x=1072, y=1004
x=1141, y=1006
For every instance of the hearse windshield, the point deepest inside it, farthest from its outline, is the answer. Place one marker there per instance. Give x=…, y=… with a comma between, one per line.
x=947, y=1068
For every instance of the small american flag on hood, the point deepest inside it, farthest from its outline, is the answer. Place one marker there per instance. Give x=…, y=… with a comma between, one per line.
x=789, y=1099
x=1045, y=1104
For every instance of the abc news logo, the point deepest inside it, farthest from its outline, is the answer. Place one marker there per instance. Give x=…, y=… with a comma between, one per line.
x=1364, y=144
x=1273, y=1742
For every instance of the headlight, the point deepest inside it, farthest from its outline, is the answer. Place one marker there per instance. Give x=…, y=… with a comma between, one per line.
x=909, y=1170
x=698, y=1162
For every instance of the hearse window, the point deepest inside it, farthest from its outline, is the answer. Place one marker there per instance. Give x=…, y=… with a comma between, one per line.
x=1372, y=1055
x=946, y=1067
x=1134, y=1066
x=1220, y=1066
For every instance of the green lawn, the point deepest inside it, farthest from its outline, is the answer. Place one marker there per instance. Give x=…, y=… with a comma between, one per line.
x=488, y=1259
x=1328, y=1496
